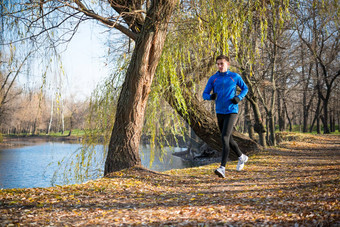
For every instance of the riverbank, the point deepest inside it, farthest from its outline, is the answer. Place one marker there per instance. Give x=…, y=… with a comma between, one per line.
x=296, y=184
x=18, y=141
x=9, y=141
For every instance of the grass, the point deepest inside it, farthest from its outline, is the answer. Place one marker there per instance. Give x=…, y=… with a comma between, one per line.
x=75, y=132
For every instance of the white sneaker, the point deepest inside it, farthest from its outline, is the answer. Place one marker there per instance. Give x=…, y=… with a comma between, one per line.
x=241, y=160
x=220, y=171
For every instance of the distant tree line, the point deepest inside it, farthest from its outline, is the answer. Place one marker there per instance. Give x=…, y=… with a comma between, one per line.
x=33, y=113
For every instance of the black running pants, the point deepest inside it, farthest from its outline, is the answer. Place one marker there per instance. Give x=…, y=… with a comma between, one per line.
x=226, y=125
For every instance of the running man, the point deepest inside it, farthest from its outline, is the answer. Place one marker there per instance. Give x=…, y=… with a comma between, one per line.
x=223, y=85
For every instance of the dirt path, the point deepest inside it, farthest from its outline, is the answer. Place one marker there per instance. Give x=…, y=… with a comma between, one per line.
x=294, y=185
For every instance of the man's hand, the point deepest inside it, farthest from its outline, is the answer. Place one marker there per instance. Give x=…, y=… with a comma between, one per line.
x=213, y=96
x=235, y=100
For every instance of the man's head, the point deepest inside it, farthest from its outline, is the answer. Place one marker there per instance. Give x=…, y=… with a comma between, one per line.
x=222, y=63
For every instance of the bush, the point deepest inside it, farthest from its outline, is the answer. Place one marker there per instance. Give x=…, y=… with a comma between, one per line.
x=1, y=138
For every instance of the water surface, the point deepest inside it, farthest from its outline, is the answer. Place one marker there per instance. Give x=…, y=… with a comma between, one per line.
x=35, y=165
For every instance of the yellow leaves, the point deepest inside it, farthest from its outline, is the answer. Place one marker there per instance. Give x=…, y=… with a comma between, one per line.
x=13, y=202
x=40, y=205
x=280, y=189
x=76, y=213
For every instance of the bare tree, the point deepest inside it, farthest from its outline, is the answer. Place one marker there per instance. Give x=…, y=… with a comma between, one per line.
x=322, y=24
x=8, y=79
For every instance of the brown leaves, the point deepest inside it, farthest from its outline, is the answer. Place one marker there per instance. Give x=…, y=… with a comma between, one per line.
x=288, y=186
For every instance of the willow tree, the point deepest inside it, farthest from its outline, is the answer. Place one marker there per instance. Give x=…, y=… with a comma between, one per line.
x=203, y=30
x=145, y=22
x=263, y=31
x=13, y=61
x=149, y=33
x=124, y=144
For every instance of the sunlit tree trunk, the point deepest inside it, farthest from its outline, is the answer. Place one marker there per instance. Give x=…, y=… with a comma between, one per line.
x=62, y=117
x=51, y=118
x=123, y=149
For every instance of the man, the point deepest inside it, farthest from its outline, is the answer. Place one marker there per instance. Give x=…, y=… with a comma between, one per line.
x=223, y=86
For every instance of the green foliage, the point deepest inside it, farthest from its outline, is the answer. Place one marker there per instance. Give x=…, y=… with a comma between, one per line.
x=1, y=138
x=88, y=161
x=203, y=31
x=197, y=33
x=82, y=165
x=200, y=32
x=103, y=105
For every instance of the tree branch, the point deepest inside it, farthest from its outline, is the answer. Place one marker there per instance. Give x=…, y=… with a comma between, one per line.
x=15, y=76
x=131, y=11
x=106, y=21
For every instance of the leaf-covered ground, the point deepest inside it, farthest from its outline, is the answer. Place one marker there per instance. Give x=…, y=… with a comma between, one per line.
x=294, y=185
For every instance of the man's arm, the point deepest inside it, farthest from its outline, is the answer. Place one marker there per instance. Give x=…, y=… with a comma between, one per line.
x=207, y=90
x=244, y=88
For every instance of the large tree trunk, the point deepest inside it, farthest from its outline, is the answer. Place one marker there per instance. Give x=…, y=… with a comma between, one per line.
x=204, y=125
x=123, y=149
x=271, y=111
x=259, y=126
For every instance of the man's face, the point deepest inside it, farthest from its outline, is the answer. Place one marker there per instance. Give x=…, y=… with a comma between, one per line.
x=222, y=65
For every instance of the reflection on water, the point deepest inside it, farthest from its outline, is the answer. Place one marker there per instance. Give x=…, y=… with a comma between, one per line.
x=34, y=165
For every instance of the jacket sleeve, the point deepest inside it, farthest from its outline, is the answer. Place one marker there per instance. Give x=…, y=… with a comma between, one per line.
x=243, y=86
x=207, y=90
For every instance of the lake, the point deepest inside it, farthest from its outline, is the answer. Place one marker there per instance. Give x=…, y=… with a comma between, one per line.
x=35, y=165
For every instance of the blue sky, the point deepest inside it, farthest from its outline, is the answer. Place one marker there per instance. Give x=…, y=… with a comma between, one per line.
x=84, y=60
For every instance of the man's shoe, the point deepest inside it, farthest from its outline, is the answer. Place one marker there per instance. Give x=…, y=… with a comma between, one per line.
x=220, y=171
x=241, y=160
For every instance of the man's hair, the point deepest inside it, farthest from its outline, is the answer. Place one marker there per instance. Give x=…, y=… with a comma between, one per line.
x=222, y=57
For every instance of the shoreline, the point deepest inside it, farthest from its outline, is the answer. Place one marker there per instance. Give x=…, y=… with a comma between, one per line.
x=10, y=141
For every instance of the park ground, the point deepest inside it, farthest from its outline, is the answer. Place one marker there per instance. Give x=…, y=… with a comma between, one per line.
x=294, y=184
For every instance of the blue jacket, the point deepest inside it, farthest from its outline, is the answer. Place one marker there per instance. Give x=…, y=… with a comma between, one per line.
x=224, y=84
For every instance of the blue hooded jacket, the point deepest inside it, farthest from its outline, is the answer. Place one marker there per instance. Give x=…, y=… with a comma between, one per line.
x=224, y=85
